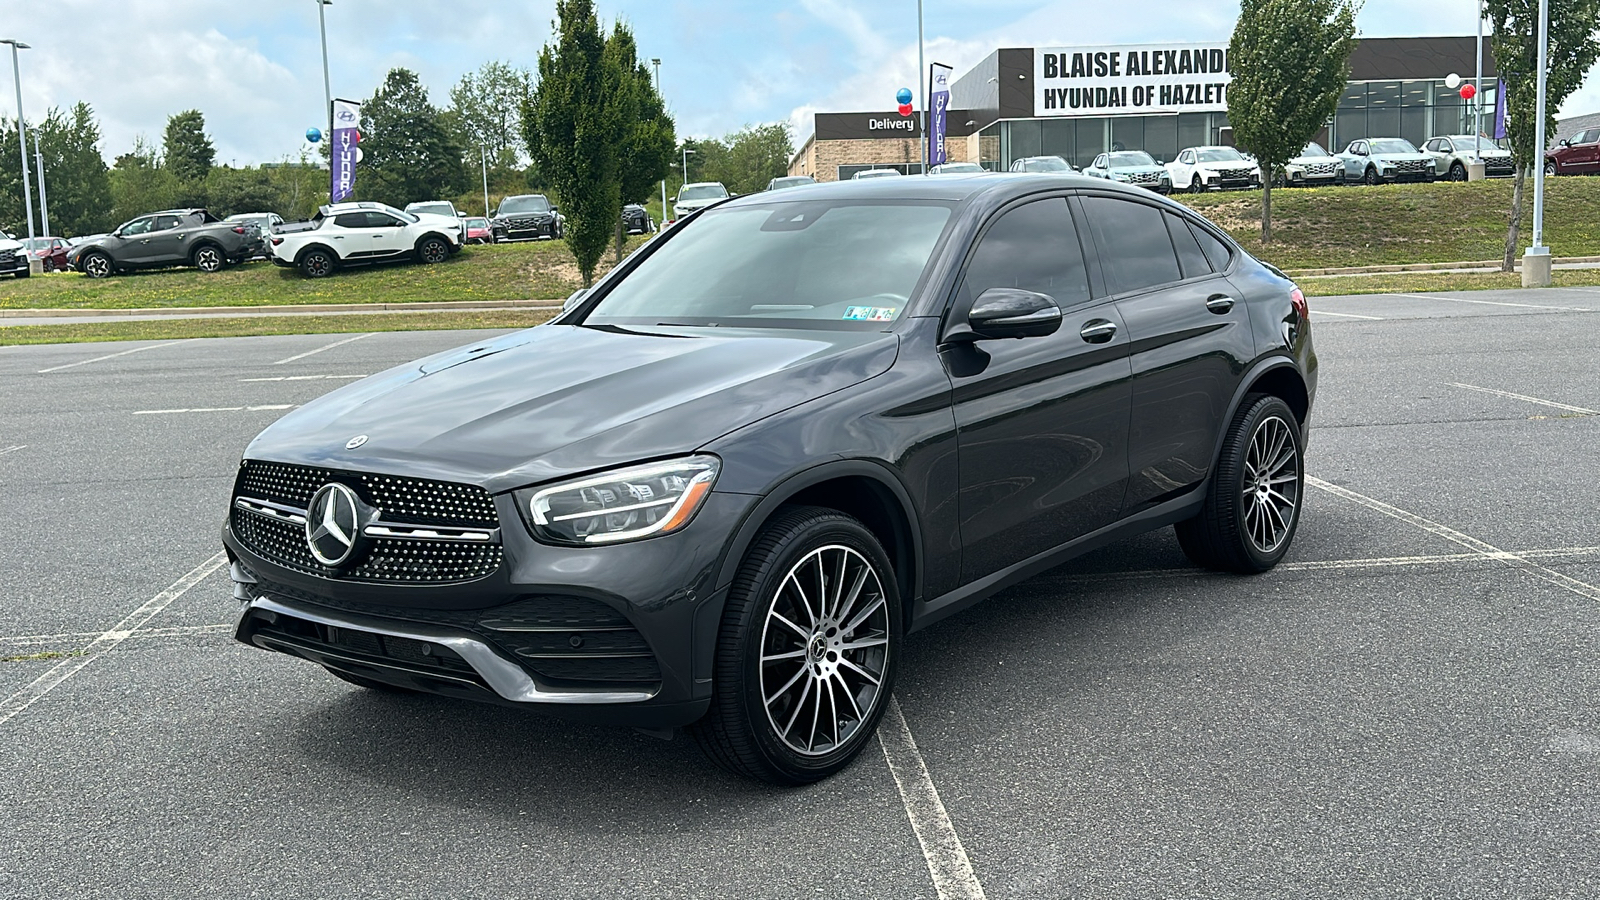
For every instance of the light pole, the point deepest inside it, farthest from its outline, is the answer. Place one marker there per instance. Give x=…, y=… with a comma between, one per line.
x=22, y=140
x=44, y=205
x=922, y=90
x=1536, y=261
x=1477, y=96
x=484, y=153
x=327, y=84
x=657, y=64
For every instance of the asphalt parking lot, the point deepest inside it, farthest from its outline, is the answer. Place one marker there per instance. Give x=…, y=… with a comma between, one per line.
x=1407, y=707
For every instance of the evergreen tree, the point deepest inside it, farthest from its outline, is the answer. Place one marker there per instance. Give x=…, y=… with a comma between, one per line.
x=187, y=148
x=1571, y=53
x=1290, y=61
x=409, y=150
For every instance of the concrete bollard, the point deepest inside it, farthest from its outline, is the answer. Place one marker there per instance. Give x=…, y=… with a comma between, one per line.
x=1536, y=267
x=1477, y=171
x=35, y=265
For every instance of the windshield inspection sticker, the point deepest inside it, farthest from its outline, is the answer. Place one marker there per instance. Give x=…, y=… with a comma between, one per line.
x=871, y=313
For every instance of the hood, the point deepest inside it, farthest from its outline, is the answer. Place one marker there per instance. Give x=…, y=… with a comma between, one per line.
x=692, y=205
x=1138, y=170
x=1401, y=157
x=558, y=400
x=1313, y=161
x=1231, y=164
x=9, y=244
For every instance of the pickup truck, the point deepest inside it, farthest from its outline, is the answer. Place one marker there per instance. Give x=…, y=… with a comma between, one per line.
x=172, y=237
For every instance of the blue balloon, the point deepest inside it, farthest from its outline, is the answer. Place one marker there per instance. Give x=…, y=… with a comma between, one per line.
x=313, y=134
x=904, y=96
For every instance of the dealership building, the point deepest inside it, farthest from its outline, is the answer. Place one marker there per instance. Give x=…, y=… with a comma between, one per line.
x=1078, y=102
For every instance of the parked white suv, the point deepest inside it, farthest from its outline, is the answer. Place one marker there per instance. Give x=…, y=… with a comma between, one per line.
x=351, y=234
x=697, y=195
x=1213, y=168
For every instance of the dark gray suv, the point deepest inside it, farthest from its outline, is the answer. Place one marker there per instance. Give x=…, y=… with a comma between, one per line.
x=720, y=488
x=172, y=237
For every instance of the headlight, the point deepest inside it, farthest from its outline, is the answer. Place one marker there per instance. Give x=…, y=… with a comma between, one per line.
x=621, y=505
x=1120, y=177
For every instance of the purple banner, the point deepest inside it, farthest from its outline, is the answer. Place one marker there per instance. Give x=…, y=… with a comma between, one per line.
x=939, y=105
x=343, y=152
x=1500, y=111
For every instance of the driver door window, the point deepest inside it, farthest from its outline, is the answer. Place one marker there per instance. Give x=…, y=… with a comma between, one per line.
x=138, y=226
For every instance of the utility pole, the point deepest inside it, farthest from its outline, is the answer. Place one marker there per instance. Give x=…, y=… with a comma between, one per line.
x=1536, y=261
x=484, y=153
x=327, y=84
x=44, y=205
x=22, y=140
x=922, y=89
x=1477, y=96
x=657, y=63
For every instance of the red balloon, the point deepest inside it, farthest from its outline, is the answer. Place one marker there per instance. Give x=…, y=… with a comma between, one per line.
x=1468, y=92
x=905, y=109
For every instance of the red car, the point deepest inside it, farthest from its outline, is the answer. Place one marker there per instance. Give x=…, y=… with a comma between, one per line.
x=1578, y=155
x=478, y=231
x=52, y=250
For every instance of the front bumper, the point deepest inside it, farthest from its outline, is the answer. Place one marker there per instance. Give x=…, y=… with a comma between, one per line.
x=507, y=232
x=453, y=639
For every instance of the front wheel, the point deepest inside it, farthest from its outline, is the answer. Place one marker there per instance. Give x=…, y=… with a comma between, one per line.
x=1252, y=505
x=433, y=250
x=97, y=265
x=1195, y=187
x=1458, y=172
x=1550, y=169
x=1372, y=176
x=806, y=657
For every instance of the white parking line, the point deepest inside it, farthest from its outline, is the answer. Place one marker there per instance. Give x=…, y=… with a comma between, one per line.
x=108, y=640
x=952, y=873
x=302, y=377
x=320, y=349
x=1323, y=312
x=1493, y=302
x=210, y=409
x=29, y=640
x=1488, y=551
x=1551, y=403
x=1317, y=565
x=85, y=362
x=12, y=449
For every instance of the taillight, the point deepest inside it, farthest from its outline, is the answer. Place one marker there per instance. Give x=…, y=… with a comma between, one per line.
x=1298, y=299
x=238, y=229
x=276, y=241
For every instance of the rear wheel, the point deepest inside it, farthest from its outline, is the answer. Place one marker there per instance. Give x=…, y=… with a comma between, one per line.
x=317, y=264
x=433, y=250
x=1252, y=505
x=806, y=657
x=209, y=259
x=97, y=265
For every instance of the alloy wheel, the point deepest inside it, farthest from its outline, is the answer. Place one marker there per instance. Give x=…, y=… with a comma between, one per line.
x=824, y=650
x=317, y=265
x=434, y=252
x=1270, y=489
x=207, y=259
x=97, y=266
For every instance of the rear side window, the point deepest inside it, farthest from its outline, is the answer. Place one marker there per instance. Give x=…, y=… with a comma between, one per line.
x=1135, y=251
x=1033, y=247
x=351, y=220
x=1219, y=253
x=1190, y=257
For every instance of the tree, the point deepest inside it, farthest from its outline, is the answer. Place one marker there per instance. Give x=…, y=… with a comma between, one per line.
x=77, y=183
x=1515, y=42
x=754, y=156
x=187, y=148
x=409, y=150
x=649, y=134
x=1290, y=61
x=486, y=107
x=140, y=183
x=573, y=125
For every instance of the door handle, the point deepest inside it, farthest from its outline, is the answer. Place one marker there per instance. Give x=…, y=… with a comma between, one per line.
x=1098, y=331
x=1219, y=303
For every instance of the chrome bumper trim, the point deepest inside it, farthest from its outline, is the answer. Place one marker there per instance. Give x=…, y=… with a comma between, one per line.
x=506, y=678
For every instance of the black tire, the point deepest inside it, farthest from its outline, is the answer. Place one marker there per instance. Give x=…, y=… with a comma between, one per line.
x=1224, y=535
x=1195, y=187
x=1550, y=169
x=433, y=250
x=24, y=272
x=98, y=265
x=208, y=258
x=49, y=265
x=1372, y=176
x=740, y=732
x=1340, y=179
x=1458, y=172
x=317, y=263
x=367, y=683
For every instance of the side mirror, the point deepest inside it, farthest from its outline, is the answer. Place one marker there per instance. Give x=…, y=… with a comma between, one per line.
x=1000, y=313
x=574, y=298
x=1564, y=143
x=555, y=209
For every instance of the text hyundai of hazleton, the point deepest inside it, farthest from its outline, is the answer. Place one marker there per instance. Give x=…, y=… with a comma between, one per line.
x=719, y=490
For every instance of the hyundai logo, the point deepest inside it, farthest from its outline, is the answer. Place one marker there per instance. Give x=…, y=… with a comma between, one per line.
x=346, y=115
x=331, y=524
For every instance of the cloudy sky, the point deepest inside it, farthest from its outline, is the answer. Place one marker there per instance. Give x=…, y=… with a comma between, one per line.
x=254, y=68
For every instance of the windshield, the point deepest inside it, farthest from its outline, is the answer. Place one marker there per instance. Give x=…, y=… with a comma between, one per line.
x=1393, y=145
x=1132, y=158
x=1467, y=141
x=961, y=168
x=1314, y=149
x=792, y=265
x=532, y=204
x=1219, y=154
x=477, y=223
x=437, y=209
x=1046, y=164
x=703, y=192
x=38, y=243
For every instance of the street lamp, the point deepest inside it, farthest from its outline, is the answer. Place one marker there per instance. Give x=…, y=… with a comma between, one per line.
x=327, y=84
x=686, y=152
x=22, y=140
x=1536, y=261
x=657, y=63
x=922, y=87
x=44, y=205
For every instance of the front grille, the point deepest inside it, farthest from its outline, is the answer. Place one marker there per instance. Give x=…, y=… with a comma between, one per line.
x=560, y=639
x=1236, y=174
x=1144, y=178
x=402, y=501
x=1315, y=170
x=1413, y=166
x=8, y=257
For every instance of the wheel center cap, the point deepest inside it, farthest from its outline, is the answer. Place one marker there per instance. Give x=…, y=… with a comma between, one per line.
x=818, y=648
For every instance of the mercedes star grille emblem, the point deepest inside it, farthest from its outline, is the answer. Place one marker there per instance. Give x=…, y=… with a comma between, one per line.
x=355, y=442
x=332, y=523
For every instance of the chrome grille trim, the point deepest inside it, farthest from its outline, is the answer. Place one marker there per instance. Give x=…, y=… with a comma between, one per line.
x=271, y=510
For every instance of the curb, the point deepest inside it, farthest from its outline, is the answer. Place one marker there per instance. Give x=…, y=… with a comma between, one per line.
x=1421, y=267
x=207, y=311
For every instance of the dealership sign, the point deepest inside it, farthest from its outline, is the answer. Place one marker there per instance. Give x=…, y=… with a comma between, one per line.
x=1130, y=80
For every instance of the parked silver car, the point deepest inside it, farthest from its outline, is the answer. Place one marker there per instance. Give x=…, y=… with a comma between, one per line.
x=1383, y=160
x=1053, y=165
x=1314, y=166
x=1452, y=154
x=1131, y=167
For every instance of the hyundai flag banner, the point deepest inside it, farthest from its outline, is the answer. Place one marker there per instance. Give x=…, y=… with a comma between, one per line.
x=343, y=151
x=939, y=105
x=1500, y=110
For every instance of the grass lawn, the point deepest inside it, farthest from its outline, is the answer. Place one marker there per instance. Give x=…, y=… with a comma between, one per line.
x=1403, y=223
x=536, y=270
x=174, y=329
